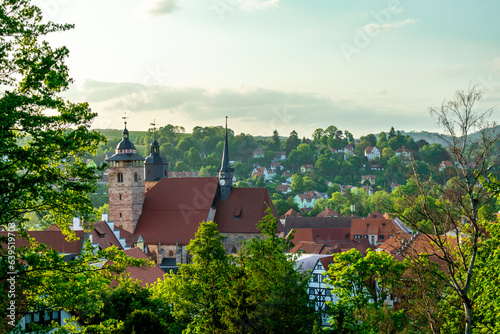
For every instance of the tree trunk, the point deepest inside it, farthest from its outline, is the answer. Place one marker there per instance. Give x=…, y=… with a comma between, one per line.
x=468, y=316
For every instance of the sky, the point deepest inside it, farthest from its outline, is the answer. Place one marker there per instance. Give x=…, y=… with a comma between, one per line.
x=283, y=65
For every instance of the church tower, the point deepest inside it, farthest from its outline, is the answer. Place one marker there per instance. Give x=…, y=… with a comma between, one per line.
x=225, y=172
x=126, y=184
x=155, y=166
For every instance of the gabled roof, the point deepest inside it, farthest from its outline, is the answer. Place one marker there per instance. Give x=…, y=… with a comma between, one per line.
x=243, y=209
x=291, y=213
x=309, y=261
x=309, y=247
x=376, y=226
x=283, y=187
x=174, y=208
x=146, y=275
x=104, y=236
x=370, y=149
x=328, y=213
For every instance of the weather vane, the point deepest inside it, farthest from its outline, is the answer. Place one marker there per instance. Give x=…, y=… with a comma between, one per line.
x=124, y=117
x=154, y=126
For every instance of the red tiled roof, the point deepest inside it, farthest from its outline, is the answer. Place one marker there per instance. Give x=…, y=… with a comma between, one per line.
x=323, y=235
x=102, y=235
x=53, y=238
x=376, y=214
x=250, y=204
x=174, y=208
x=146, y=275
x=377, y=226
x=291, y=213
x=328, y=213
x=306, y=197
x=308, y=247
x=283, y=187
x=369, y=149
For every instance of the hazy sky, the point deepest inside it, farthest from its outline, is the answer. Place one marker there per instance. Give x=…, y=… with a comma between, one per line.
x=362, y=66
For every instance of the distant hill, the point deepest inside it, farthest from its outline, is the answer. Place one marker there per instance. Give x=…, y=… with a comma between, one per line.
x=433, y=137
x=112, y=133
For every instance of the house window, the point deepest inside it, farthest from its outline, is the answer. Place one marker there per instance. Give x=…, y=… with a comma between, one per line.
x=381, y=237
x=136, y=177
x=357, y=236
x=120, y=197
x=365, y=236
x=119, y=177
x=120, y=214
x=315, y=278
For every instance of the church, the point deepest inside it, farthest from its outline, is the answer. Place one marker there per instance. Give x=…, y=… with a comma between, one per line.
x=166, y=212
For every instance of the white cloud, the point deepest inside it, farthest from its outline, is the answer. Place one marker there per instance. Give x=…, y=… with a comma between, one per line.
x=252, y=110
x=157, y=8
x=374, y=27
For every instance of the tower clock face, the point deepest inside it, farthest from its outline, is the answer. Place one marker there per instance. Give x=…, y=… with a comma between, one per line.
x=222, y=182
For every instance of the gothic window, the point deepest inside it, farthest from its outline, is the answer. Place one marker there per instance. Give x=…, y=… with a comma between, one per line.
x=136, y=177
x=119, y=177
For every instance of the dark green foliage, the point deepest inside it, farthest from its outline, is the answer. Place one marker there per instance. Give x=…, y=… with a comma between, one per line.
x=217, y=293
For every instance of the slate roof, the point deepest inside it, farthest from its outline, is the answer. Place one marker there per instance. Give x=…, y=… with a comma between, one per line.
x=308, y=261
x=174, y=208
x=243, y=209
x=316, y=222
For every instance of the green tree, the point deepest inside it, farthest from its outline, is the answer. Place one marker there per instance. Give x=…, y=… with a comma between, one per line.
x=219, y=293
x=292, y=142
x=43, y=138
x=363, y=284
x=455, y=207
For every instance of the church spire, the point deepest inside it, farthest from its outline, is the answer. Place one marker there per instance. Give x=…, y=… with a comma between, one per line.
x=225, y=155
x=225, y=171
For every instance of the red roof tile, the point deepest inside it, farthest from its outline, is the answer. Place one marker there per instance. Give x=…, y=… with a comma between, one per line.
x=251, y=204
x=323, y=235
x=146, y=275
x=328, y=213
x=174, y=208
x=102, y=235
x=53, y=238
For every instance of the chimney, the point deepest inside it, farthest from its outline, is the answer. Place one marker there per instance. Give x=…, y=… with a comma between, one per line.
x=76, y=224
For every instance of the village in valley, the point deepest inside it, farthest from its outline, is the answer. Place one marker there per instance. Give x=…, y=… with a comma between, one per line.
x=279, y=178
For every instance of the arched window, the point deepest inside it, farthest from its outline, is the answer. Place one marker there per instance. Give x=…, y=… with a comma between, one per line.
x=119, y=177
x=136, y=177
